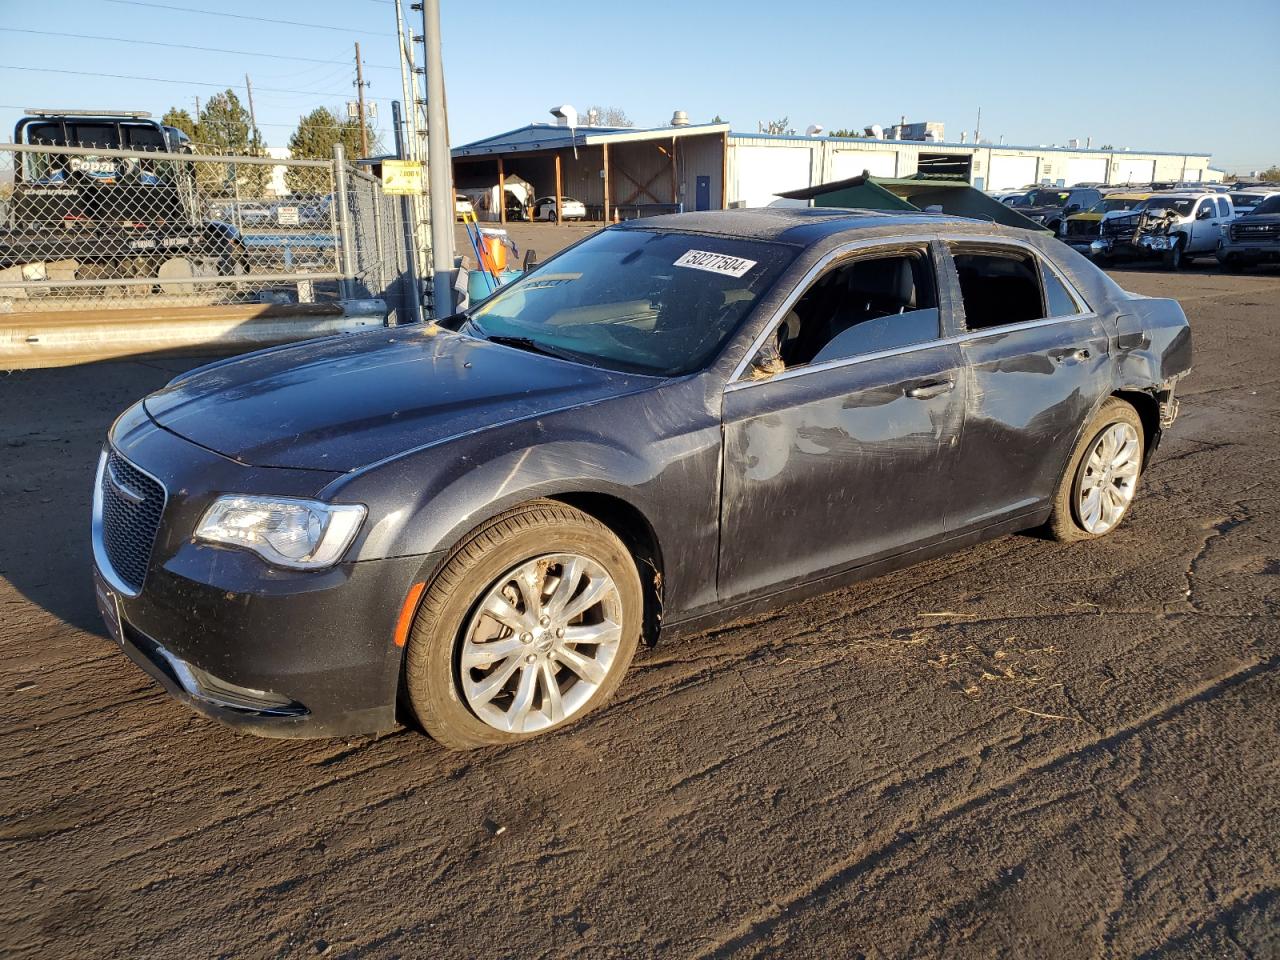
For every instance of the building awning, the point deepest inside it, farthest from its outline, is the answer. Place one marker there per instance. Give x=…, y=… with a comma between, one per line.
x=954, y=197
x=537, y=137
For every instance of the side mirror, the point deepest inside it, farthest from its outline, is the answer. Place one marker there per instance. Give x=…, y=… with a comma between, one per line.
x=1073, y=208
x=530, y=260
x=1205, y=213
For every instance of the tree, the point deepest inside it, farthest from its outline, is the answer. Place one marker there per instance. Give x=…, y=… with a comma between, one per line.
x=598, y=116
x=180, y=119
x=776, y=126
x=224, y=125
x=314, y=139
x=846, y=132
x=718, y=119
x=1271, y=173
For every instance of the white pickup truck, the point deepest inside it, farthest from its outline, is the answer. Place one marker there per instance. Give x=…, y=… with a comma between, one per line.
x=1176, y=227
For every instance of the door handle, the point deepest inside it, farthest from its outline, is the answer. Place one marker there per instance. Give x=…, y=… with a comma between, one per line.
x=933, y=388
x=1076, y=355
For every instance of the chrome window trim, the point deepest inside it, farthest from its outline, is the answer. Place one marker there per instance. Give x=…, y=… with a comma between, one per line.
x=736, y=383
x=802, y=287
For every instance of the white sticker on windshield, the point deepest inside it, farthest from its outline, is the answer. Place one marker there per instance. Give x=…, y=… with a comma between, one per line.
x=715, y=262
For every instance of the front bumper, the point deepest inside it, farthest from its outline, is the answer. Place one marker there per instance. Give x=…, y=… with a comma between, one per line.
x=1146, y=246
x=274, y=652
x=1244, y=250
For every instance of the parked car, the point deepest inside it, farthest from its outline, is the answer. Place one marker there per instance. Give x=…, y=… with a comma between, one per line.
x=1080, y=229
x=462, y=207
x=1173, y=227
x=678, y=421
x=1254, y=238
x=1244, y=201
x=1049, y=205
x=544, y=208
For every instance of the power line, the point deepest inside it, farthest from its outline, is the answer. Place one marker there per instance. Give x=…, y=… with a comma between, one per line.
x=197, y=83
x=189, y=46
x=241, y=16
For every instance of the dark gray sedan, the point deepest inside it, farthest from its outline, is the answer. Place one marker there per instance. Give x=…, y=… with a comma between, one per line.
x=676, y=422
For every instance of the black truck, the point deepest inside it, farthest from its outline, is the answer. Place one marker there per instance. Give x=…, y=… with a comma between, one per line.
x=105, y=215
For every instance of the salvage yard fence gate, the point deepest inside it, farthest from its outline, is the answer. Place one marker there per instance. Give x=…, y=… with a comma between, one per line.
x=89, y=228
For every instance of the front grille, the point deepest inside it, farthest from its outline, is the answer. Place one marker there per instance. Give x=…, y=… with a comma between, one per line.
x=132, y=503
x=1082, y=228
x=1120, y=226
x=1255, y=231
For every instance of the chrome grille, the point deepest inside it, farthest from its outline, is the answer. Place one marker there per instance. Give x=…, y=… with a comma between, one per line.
x=132, y=504
x=1255, y=231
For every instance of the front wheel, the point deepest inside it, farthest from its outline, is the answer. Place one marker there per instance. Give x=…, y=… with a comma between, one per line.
x=1175, y=258
x=1102, y=476
x=530, y=624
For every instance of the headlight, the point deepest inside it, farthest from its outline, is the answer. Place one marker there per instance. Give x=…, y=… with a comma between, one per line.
x=1062, y=228
x=285, y=531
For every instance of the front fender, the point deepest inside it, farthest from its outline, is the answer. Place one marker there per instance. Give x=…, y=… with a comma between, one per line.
x=634, y=449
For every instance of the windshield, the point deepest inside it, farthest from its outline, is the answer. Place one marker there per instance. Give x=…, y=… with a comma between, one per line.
x=1048, y=198
x=1269, y=205
x=1245, y=199
x=1110, y=206
x=1180, y=206
x=641, y=300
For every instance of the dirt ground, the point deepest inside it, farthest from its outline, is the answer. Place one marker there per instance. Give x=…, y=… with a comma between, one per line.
x=1021, y=750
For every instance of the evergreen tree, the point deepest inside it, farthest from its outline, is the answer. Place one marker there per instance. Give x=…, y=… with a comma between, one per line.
x=314, y=139
x=180, y=119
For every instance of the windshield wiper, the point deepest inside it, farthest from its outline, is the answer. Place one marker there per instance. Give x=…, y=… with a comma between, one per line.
x=534, y=346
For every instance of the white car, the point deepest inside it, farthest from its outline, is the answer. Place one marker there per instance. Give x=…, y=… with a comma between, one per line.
x=1176, y=227
x=1243, y=201
x=544, y=208
x=462, y=206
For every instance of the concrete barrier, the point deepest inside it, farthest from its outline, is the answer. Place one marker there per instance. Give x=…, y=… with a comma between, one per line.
x=67, y=337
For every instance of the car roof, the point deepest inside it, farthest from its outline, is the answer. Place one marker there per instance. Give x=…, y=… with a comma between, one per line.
x=803, y=226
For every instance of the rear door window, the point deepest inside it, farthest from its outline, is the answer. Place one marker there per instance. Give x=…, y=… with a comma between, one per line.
x=999, y=287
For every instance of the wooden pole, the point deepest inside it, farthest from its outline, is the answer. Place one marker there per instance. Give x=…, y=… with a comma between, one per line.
x=253, y=117
x=675, y=190
x=559, y=192
x=364, y=131
x=605, y=168
x=724, y=171
x=502, y=192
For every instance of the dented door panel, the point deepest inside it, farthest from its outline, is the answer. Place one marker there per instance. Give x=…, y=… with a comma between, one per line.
x=830, y=467
x=1029, y=391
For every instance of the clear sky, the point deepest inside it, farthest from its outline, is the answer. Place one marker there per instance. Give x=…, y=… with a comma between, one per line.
x=1147, y=74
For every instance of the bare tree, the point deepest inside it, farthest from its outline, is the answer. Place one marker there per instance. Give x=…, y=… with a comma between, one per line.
x=598, y=116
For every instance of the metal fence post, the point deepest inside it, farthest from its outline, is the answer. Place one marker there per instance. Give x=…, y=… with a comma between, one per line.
x=345, y=247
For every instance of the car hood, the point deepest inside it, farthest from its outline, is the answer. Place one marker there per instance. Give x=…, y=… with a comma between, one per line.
x=1038, y=211
x=344, y=402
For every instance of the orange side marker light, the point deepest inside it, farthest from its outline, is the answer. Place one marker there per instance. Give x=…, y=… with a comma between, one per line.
x=406, y=613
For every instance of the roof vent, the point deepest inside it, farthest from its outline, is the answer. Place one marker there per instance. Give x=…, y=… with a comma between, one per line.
x=680, y=119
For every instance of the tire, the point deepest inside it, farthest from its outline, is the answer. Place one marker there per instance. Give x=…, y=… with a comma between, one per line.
x=1176, y=258
x=446, y=695
x=1067, y=522
x=1234, y=265
x=551, y=215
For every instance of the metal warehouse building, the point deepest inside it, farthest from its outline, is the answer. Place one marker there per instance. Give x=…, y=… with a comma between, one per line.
x=638, y=172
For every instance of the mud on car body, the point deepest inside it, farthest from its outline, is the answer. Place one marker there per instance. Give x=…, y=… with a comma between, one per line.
x=676, y=422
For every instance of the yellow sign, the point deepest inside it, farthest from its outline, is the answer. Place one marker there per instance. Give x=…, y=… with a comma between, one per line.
x=402, y=177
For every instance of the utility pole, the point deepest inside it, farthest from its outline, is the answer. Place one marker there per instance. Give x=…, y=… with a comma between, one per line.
x=253, y=117
x=977, y=130
x=197, y=109
x=439, y=165
x=364, y=130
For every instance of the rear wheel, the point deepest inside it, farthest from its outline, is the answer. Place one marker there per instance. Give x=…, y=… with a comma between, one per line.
x=1102, y=477
x=530, y=625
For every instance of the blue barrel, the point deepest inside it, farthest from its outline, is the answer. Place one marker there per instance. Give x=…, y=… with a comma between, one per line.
x=480, y=284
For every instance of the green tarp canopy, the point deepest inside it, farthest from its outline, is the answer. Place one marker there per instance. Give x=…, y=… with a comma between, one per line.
x=954, y=197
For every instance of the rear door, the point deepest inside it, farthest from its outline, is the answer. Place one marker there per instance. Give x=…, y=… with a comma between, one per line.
x=1035, y=362
x=844, y=453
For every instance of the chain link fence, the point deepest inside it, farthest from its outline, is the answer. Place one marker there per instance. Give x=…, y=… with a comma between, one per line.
x=87, y=227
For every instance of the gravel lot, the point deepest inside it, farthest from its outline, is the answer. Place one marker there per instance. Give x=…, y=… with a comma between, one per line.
x=1022, y=750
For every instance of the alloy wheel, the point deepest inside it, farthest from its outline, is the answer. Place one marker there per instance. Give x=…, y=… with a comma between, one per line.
x=540, y=643
x=1108, y=478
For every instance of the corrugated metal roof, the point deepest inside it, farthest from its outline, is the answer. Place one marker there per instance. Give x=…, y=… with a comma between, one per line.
x=550, y=136
x=933, y=144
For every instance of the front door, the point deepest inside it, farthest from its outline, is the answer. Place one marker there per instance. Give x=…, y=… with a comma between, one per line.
x=845, y=455
x=702, y=194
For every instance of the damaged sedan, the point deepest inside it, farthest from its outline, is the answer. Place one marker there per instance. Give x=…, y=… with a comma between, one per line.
x=470, y=526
